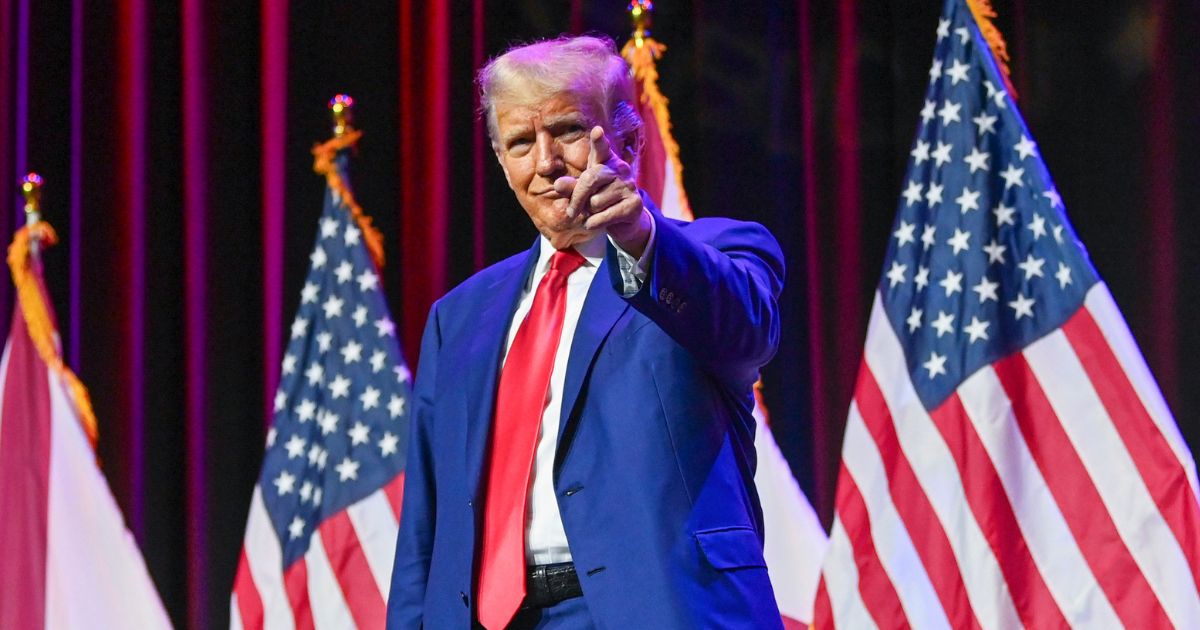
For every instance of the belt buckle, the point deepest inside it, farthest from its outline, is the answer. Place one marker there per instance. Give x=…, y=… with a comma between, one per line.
x=547, y=584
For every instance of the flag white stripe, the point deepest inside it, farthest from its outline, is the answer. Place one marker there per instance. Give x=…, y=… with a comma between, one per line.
x=841, y=583
x=1104, y=311
x=235, y=614
x=4, y=378
x=329, y=608
x=796, y=541
x=1047, y=536
x=1115, y=475
x=376, y=527
x=671, y=206
x=938, y=474
x=264, y=557
x=88, y=570
x=893, y=545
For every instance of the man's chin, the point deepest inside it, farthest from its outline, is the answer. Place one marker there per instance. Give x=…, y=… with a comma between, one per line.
x=564, y=236
x=556, y=220
x=551, y=221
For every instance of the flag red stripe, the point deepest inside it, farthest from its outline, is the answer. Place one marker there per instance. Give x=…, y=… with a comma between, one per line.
x=1077, y=497
x=349, y=564
x=792, y=624
x=295, y=582
x=652, y=167
x=250, y=606
x=878, y=593
x=822, y=609
x=24, y=483
x=924, y=528
x=1164, y=476
x=394, y=490
x=990, y=505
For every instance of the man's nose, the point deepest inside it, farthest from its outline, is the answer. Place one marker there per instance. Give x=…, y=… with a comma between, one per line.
x=549, y=157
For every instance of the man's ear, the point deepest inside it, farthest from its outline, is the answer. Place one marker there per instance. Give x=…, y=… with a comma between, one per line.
x=631, y=146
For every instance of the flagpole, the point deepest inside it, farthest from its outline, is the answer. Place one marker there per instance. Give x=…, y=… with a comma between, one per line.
x=25, y=266
x=31, y=190
x=345, y=136
x=660, y=175
x=639, y=12
x=341, y=108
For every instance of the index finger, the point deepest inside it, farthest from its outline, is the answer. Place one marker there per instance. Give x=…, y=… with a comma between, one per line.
x=601, y=150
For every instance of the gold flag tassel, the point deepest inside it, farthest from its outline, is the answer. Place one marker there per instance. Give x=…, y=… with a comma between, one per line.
x=32, y=300
x=344, y=137
x=642, y=52
x=984, y=14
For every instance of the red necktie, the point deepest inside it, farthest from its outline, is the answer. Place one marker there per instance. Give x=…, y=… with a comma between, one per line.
x=520, y=401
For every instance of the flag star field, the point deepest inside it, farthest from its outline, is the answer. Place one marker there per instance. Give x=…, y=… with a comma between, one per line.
x=339, y=430
x=996, y=265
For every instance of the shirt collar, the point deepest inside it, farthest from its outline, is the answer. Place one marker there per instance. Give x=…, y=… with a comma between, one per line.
x=592, y=249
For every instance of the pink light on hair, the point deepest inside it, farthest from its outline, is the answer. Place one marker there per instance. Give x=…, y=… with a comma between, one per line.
x=587, y=67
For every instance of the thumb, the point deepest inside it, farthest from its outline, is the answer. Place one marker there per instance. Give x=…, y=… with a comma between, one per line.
x=565, y=186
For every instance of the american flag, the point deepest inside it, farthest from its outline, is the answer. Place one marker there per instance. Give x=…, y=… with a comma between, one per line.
x=321, y=534
x=1008, y=458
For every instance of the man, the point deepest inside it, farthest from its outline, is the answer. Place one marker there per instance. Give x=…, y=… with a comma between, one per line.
x=582, y=443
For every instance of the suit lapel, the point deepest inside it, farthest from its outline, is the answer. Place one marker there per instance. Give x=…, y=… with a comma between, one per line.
x=601, y=310
x=486, y=348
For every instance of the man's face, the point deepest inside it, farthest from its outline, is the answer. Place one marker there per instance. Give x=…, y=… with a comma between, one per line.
x=538, y=144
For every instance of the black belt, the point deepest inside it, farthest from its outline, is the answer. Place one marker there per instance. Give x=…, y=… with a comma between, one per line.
x=549, y=584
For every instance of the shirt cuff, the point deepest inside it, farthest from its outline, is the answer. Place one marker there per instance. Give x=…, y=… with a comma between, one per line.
x=634, y=270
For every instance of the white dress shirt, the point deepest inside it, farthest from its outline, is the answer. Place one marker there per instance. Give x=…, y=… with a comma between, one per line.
x=545, y=539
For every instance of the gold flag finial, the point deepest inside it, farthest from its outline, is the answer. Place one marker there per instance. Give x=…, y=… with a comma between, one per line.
x=345, y=136
x=341, y=107
x=639, y=12
x=31, y=189
x=23, y=262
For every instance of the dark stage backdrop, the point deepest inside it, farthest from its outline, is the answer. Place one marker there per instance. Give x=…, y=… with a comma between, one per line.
x=174, y=140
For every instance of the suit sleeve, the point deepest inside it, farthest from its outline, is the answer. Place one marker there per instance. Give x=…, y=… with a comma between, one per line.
x=414, y=544
x=713, y=286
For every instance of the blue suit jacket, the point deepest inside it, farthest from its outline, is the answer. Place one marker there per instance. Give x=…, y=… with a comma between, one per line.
x=655, y=462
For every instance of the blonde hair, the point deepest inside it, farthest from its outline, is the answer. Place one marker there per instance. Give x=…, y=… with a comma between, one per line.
x=586, y=67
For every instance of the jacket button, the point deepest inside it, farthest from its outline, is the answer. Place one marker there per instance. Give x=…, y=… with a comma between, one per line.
x=573, y=490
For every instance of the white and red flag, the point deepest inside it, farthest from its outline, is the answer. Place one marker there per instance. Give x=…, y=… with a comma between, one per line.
x=795, y=540
x=66, y=558
x=1008, y=459
x=321, y=534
